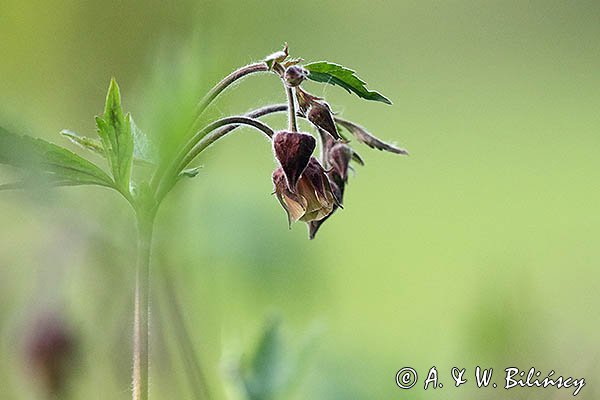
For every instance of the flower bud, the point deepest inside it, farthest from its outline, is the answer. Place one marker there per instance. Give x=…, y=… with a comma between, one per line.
x=320, y=116
x=314, y=198
x=339, y=157
x=293, y=151
x=295, y=75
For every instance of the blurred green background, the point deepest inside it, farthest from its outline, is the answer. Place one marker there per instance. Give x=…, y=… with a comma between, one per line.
x=481, y=248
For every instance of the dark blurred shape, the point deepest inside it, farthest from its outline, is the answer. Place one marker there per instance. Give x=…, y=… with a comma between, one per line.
x=50, y=352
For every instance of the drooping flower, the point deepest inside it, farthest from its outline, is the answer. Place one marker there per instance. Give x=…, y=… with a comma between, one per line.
x=321, y=117
x=293, y=150
x=314, y=197
x=339, y=156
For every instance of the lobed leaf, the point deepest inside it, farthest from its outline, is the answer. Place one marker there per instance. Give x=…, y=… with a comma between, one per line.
x=335, y=74
x=48, y=162
x=114, y=129
x=143, y=153
x=84, y=142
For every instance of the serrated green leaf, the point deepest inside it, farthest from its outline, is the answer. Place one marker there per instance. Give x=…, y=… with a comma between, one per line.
x=114, y=129
x=335, y=74
x=84, y=142
x=141, y=156
x=48, y=163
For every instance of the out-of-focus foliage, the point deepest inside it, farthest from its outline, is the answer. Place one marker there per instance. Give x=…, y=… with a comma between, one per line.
x=47, y=163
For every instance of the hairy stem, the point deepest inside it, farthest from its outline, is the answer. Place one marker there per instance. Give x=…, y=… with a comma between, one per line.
x=210, y=97
x=291, y=109
x=201, y=140
x=224, y=84
x=257, y=113
x=210, y=134
x=145, y=225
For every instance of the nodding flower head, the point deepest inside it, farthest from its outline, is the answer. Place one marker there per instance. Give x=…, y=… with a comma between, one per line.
x=314, y=197
x=293, y=151
x=339, y=156
x=295, y=75
x=321, y=117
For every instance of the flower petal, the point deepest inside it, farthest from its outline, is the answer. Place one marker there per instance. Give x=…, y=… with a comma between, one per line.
x=293, y=204
x=293, y=151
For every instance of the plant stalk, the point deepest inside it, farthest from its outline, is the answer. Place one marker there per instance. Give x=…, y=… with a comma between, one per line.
x=212, y=95
x=199, y=142
x=291, y=109
x=145, y=224
x=224, y=84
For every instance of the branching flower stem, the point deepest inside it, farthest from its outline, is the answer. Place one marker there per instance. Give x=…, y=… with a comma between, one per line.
x=206, y=101
x=224, y=84
x=198, y=143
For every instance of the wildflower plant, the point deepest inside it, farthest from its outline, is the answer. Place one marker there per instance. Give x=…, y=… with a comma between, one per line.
x=310, y=188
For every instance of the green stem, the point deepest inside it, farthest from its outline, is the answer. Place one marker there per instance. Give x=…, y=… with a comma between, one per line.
x=210, y=97
x=226, y=82
x=199, y=142
x=145, y=224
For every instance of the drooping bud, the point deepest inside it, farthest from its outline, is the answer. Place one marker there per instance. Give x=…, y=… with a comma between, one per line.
x=293, y=151
x=295, y=75
x=320, y=115
x=313, y=226
x=339, y=157
x=314, y=198
x=316, y=189
x=305, y=100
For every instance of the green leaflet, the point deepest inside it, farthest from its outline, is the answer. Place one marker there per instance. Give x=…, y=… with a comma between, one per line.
x=143, y=152
x=335, y=74
x=114, y=130
x=87, y=143
x=48, y=162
